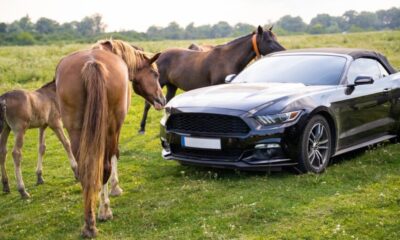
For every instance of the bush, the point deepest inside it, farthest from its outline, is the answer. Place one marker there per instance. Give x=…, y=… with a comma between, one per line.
x=24, y=38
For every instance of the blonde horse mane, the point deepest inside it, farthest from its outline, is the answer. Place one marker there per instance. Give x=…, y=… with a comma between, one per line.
x=133, y=58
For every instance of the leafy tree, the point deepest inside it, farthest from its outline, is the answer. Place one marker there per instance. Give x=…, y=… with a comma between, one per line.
x=349, y=17
x=173, y=31
x=324, y=23
x=99, y=26
x=153, y=32
x=203, y=31
x=291, y=24
x=90, y=26
x=317, y=28
x=45, y=25
x=242, y=29
x=14, y=27
x=190, y=31
x=26, y=24
x=366, y=20
x=3, y=27
x=24, y=38
x=68, y=27
x=221, y=29
x=390, y=18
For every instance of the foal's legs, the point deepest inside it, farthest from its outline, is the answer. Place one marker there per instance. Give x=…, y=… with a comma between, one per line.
x=42, y=149
x=17, y=155
x=59, y=131
x=3, y=154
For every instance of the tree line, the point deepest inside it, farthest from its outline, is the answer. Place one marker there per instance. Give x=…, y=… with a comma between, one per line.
x=45, y=30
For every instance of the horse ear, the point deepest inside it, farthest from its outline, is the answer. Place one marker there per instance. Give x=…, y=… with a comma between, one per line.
x=270, y=29
x=154, y=58
x=260, y=30
x=107, y=45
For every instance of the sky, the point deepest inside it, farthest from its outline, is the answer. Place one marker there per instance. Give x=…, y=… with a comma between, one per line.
x=139, y=15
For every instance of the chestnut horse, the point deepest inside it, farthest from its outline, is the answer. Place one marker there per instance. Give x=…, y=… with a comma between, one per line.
x=92, y=87
x=21, y=110
x=188, y=69
x=201, y=48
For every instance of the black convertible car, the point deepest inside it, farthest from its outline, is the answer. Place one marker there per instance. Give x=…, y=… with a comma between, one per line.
x=292, y=108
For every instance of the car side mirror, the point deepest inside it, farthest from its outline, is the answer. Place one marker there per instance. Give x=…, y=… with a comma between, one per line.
x=229, y=78
x=363, y=80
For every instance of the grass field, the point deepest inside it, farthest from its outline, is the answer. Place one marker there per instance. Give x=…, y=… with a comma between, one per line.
x=358, y=197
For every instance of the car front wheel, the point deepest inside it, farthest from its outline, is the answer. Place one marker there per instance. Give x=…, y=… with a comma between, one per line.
x=315, y=147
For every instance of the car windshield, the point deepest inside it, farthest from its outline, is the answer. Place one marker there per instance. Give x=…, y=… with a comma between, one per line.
x=306, y=69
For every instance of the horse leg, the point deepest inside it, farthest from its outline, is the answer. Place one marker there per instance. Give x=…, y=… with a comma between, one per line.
x=171, y=91
x=89, y=229
x=115, y=188
x=144, y=118
x=42, y=149
x=105, y=212
x=3, y=155
x=67, y=146
x=17, y=155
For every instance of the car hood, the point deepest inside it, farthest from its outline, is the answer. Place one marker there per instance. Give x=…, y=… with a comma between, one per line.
x=242, y=96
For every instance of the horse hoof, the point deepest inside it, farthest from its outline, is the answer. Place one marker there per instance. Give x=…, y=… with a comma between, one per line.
x=141, y=132
x=24, y=194
x=40, y=181
x=6, y=189
x=107, y=215
x=116, y=191
x=89, y=232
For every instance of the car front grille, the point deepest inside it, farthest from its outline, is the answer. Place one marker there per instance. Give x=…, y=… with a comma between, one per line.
x=207, y=123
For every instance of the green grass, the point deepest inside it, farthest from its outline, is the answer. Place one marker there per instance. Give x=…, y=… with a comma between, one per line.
x=358, y=197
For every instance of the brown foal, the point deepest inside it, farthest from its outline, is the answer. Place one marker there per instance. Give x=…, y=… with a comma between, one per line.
x=21, y=110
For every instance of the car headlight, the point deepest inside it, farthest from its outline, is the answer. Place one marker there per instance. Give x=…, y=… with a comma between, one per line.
x=278, y=118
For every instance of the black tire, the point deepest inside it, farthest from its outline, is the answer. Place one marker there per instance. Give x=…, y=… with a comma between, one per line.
x=315, y=148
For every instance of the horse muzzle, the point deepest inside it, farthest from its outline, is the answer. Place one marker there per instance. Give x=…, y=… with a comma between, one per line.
x=159, y=103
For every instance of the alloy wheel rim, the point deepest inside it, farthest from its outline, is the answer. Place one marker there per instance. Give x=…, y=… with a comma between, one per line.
x=318, y=146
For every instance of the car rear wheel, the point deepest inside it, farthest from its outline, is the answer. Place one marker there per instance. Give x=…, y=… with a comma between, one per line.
x=315, y=148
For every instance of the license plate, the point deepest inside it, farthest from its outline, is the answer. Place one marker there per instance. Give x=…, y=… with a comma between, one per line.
x=204, y=143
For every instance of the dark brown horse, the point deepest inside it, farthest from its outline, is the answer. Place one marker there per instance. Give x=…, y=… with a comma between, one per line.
x=187, y=69
x=21, y=110
x=201, y=48
x=94, y=96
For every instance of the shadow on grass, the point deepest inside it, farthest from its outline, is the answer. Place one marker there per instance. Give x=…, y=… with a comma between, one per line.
x=194, y=172
x=341, y=159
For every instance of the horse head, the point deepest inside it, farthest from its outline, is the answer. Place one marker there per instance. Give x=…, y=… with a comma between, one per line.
x=145, y=82
x=266, y=41
x=142, y=70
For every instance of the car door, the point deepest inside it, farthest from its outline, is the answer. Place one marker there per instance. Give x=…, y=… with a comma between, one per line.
x=365, y=114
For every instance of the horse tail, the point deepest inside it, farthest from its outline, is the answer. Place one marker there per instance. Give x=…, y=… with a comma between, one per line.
x=2, y=113
x=92, y=143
